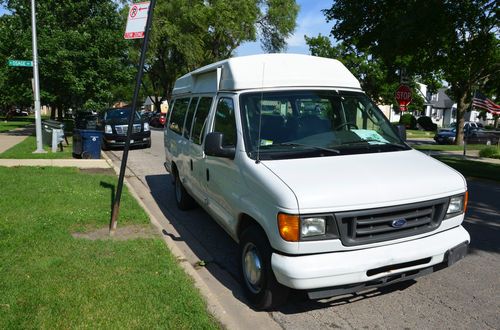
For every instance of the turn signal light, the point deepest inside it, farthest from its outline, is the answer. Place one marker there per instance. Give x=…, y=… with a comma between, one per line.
x=289, y=227
x=466, y=199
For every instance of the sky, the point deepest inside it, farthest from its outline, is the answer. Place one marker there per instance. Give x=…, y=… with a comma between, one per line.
x=310, y=22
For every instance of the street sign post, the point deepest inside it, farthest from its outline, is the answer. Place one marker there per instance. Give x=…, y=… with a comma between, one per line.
x=136, y=22
x=21, y=63
x=134, y=32
x=403, y=96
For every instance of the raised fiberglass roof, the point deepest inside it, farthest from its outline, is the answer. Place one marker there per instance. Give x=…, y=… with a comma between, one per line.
x=267, y=71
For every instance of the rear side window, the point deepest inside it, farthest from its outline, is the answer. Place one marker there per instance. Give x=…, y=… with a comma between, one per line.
x=200, y=119
x=225, y=122
x=177, y=115
x=189, y=117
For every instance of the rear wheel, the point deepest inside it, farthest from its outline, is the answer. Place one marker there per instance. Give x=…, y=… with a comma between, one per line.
x=260, y=284
x=183, y=199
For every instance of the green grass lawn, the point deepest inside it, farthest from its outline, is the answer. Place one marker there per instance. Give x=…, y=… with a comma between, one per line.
x=411, y=134
x=17, y=122
x=49, y=279
x=448, y=147
x=24, y=150
x=472, y=168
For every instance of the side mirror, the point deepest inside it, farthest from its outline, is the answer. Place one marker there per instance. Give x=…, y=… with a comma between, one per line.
x=213, y=146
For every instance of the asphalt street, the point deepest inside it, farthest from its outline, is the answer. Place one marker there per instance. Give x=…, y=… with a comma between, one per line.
x=464, y=296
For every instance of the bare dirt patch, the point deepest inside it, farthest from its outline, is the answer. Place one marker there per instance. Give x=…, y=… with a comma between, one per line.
x=121, y=233
x=106, y=171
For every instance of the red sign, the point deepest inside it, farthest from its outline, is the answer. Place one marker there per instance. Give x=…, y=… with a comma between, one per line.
x=403, y=96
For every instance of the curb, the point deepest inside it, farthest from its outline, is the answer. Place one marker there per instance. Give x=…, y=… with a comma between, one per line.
x=228, y=319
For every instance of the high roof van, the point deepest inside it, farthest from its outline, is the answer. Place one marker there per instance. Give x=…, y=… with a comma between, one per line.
x=297, y=164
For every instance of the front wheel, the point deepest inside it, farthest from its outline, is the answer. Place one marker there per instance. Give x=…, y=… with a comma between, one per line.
x=260, y=284
x=182, y=198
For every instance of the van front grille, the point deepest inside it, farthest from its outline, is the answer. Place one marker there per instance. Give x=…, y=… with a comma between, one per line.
x=388, y=223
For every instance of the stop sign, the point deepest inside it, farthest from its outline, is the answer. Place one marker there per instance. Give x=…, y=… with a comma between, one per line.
x=403, y=96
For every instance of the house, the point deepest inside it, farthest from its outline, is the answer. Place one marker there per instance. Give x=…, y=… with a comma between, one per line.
x=440, y=107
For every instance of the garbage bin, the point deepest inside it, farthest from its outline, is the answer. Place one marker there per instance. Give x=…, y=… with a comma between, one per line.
x=87, y=143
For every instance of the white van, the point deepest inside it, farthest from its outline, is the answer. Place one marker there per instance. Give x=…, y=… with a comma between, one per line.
x=301, y=168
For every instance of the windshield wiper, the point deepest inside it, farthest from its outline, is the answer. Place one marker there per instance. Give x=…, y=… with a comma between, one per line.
x=293, y=144
x=363, y=141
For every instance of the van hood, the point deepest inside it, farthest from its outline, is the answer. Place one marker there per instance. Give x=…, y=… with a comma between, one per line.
x=340, y=183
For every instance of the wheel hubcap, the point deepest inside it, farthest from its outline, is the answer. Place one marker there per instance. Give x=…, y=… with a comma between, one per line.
x=252, y=267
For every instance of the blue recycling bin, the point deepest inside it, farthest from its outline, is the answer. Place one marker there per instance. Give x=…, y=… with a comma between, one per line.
x=87, y=143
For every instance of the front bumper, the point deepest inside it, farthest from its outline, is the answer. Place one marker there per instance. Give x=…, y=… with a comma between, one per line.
x=366, y=265
x=115, y=141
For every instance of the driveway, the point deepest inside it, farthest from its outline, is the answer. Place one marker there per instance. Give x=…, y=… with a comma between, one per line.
x=465, y=296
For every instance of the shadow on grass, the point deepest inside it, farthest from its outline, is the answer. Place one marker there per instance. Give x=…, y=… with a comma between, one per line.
x=112, y=189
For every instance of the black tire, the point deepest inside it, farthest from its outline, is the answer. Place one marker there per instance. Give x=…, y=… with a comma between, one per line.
x=104, y=146
x=260, y=284
x=182, y=198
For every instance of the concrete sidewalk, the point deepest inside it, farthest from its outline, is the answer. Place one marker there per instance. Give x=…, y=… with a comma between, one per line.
x=11, y=138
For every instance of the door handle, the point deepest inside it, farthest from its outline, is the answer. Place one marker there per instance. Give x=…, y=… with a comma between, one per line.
x=208, y=175
x=191, y=163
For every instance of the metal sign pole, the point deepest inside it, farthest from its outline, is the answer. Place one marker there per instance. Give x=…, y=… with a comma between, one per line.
x=36, y=83
x=116, y=205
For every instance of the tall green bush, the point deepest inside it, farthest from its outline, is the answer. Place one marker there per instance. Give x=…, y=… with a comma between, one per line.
x=408, y=120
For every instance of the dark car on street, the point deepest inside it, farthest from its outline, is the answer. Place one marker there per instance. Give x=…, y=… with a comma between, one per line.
x=114, y=124
x=158, y=120
x=472, y=136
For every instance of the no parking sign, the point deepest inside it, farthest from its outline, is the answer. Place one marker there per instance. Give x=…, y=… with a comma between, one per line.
x=136, y=22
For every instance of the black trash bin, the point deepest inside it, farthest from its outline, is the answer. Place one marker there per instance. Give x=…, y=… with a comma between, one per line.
x=87, y=143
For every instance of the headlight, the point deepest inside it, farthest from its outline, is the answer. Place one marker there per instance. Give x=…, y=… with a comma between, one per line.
x=294, y=228
x=313, y=226
x=146, y=127
x=458, y=204
x=108, y=130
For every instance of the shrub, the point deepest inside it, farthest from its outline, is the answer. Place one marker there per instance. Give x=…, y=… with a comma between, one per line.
x=408, y=120
x=426, y=123
x=490, y=152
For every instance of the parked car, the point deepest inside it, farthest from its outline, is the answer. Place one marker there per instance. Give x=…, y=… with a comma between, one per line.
x=291, y=158
x=114, y=124
x=472, y=136
x=158, y=120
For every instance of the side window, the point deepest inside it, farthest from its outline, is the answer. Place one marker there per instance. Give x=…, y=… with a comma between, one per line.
x=189, y=117
x=177, y=115
x=200, y=119
x=225, y=121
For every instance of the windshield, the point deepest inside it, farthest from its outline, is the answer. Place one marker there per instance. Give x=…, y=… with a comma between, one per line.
x=120, y=114
x=309, y=123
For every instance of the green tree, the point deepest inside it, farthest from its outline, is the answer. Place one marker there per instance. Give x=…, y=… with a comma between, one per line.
x=190, y=33
x=456, y=41
x=377, y=80
x=82, y=53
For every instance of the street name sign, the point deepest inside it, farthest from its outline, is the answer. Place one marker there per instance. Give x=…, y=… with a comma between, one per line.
x=20, y=63
x=136, y=22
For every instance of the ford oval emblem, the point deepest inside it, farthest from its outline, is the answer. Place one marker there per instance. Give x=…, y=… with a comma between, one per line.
x=398, y=223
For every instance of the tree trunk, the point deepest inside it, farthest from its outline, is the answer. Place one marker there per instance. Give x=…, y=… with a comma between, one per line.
x=461, y=108
x=53, y=112
x=60, y=113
